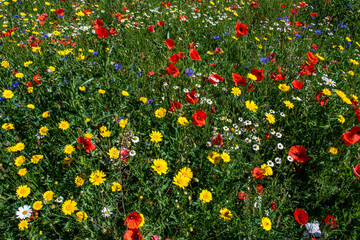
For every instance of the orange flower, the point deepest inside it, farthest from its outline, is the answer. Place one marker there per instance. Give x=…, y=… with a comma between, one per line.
x=311, y=58
x=239, y=80
x=134, y=219
x=132, y=234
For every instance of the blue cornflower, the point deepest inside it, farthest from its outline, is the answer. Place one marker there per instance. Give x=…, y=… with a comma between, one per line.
x=139, y=73
x=95, y=53
x=342, y=25
x=318, y=32
x=264, y=59
x=216, y=37
x=15, y=84
x=96, y=63
x=150, y=101
x=298, y=35
x=117, y=66
x=189, y=71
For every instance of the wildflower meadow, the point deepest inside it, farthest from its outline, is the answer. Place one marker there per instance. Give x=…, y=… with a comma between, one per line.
x=197, y=119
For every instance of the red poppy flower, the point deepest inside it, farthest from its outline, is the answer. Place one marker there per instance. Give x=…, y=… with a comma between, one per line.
x=125, y=154
x=87, y=144
x=351, y=137
x=259, y=188
x=36, y=78
x=190, y=97
x=257, y=173
x=133, y=234
x=194, y=55
x=258, y=73
x=356, y=170
x=273, y=205
x=312, y=59
x=181, y=55
x=174, y=105
x=87, y=12
x=113, y=31
x=250, y=88
x=102, y=32
x=174, y=58
x=282, y=6
x=239, y=80
x=301, y=216
x=297, y=84
x=298, y=154
x=199, y=118
x=215, y=78
x=59, y=12
x=241, y=29
x=151, y=29
x=298, y=24
x=160, y=23
x=134, y=219
x=253, y=4
x=217, y=140
x=170, y=43
x=323, y=101
x=192, y=45
x=212, y=111
x=276, y=76
x=271, y=57
x=98, y=23
x=172, y=70
x=242, y=195
x=330, y=220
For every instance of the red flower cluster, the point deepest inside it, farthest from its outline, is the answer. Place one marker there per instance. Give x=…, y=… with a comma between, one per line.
x=133, y=219
x=99, y=30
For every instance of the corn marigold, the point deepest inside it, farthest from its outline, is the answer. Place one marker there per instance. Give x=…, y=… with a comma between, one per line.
x=97, y=177
x=69, y=207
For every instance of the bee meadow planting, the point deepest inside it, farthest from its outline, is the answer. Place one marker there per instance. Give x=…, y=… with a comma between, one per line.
x=198, y=119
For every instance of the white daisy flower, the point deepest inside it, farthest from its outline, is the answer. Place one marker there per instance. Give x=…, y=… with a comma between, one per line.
x=132, y=153
x=60, y=199
x=106, y=212
x=278, y=160
x=135, y=139
x=290, y=159
x=24, y=212
x=256, y=147
x=278, y=135
x=280, y=146
x=270, y=163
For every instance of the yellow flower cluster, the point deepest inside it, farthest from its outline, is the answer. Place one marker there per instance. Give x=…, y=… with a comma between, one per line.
x=17, y=148
x=183, y=177
x=215, y=157
x=343, y=96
